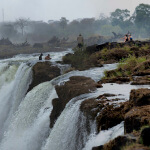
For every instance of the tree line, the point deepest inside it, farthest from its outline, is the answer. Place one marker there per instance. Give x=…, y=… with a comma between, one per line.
x=120, y=21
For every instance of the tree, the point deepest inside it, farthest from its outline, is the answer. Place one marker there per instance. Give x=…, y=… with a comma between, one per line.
x=119, y=17
x=63, y=22
x=7, y=30
x=142, y=16
x=22, y=22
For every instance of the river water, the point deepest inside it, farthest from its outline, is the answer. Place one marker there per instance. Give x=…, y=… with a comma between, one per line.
x=24, y=117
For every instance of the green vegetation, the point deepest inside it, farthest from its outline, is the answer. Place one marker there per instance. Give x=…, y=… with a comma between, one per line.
x=125, y=67
x=120, y=21
x=128, y=56
x=80, y=60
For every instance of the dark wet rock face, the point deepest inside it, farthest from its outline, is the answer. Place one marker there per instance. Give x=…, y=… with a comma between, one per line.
x=118, y=143
x=140, y=97
x=110, y=116
x=76, y=86
x=91, y=49
x=42, y=72
x=90, y=108
x=118, y=80
x=145, y=136
x=57, y=109
x=143, y=80
x=98, y=148
x=136, y=118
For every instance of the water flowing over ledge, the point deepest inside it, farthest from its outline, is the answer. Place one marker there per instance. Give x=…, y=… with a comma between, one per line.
x=24, y=119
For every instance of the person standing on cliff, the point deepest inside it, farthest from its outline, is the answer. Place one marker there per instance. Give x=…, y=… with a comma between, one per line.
x=80, y=41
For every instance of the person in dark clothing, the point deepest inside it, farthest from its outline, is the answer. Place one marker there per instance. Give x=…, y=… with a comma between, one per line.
x=40, y=57
x=126, y=38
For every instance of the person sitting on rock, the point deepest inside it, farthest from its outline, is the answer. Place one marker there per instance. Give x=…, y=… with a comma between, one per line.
x=80, y=41
x=40, y=57
x=47, y=57
x=130, y=37
x=126, y=38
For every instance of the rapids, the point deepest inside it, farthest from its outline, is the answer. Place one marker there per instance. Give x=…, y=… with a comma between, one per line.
x=24, y=117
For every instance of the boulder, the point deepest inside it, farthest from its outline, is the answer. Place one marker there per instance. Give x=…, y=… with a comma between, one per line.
x=136, y=118
x=42, y=72
x=142, y=73
x=118, y=143
x=90, y=108
x=143, y=80
x=118, y=80
x=145, y=136
x=98, y=148
x=110, y=116
x=91, y=49
x=117, y=54
x=140, y=97
x=76, y=86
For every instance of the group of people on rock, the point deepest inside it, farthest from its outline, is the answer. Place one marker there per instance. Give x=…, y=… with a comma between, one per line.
x=46, y=57
x=80, y=40
x=128, y=37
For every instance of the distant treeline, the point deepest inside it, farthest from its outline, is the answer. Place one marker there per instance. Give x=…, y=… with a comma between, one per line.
x=119, y=21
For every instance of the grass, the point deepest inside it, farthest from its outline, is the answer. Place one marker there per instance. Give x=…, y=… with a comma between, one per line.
x=125, y=67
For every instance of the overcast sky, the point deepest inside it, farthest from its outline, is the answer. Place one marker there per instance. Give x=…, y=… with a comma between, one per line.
x=55, y=9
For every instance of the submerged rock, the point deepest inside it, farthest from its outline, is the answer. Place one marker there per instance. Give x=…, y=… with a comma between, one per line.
x=42, y=72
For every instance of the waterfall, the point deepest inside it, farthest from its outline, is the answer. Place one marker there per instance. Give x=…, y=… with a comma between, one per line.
x=14, y=85
x=24, y=119
x=104, y=136
x=30, y=124
x=69, y=131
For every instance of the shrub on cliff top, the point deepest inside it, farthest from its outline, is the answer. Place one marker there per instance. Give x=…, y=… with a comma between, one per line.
x=80, y=59
x=125, y=67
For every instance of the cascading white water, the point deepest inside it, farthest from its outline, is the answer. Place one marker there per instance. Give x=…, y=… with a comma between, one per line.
x=69, y=131
x=24, y=117
x=30, y=124
x=104, y=136
x=13, y=88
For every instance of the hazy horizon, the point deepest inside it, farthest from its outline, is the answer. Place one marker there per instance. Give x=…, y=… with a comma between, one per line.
x=53, y=10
